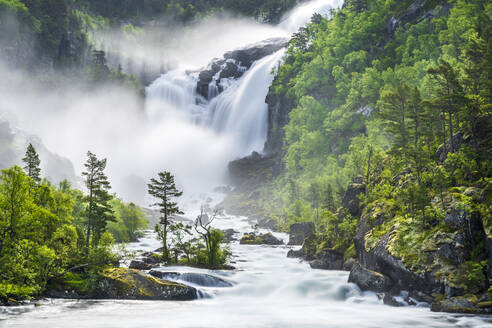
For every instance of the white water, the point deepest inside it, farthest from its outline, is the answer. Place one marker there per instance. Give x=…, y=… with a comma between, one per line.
x=236, y=118
x=269, y=290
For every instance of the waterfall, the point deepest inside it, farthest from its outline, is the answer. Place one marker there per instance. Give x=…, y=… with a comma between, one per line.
x=232, y=112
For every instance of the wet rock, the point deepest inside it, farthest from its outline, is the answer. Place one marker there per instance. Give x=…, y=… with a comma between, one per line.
x=328, y=260
x=369, y=280
x=461, y=305
x=349, y=264
x=234, y=64
x=229, y=235
x=260, y=239
x=123, y=283
x=200, y=279
x=391, y=300
x=295, y=253
x=127, y=284
x=300, y=231
x=268, y=223
x=351, y=200
x=152, y=258
x=139, y=265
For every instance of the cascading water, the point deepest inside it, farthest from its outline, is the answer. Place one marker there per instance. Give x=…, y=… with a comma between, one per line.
x=239, y=113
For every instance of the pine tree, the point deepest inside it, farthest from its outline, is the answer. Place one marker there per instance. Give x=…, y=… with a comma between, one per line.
x=164, y=189
x=32, y=164
x=99, y=211
x=449, y=96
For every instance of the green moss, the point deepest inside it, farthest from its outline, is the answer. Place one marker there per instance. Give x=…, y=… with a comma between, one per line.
x=350, y=253
x=250, y=239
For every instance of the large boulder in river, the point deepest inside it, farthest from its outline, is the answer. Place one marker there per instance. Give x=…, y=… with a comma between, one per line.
x=300, y=231
x=229, y=235
x=328, y=260
x=268, y=223
x=369, y=280
x=121, y=283
x=200, y=279
x=260, y=239
x=139, y=265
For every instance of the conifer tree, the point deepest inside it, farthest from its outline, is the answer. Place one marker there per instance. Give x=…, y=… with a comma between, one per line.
x=32, y=164
x=99, y=211
x=164, y=189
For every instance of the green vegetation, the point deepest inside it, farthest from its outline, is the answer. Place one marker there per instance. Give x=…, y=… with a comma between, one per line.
x=184, y=251
x=406, y=111
x=185, y=10
x=165, y=190
x=46, y=232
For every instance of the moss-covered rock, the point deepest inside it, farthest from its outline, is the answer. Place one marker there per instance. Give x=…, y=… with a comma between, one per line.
x=462, y=304
x=119, y=283
x=260, y=239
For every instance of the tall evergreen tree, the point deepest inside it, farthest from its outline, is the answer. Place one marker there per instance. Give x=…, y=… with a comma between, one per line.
x=32, y=163
x=99, y=211
x=164, y=189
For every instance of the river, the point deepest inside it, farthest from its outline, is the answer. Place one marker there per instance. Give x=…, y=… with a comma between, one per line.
x=270, y=290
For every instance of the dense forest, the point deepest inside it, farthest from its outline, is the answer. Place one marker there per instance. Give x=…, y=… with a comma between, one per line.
x=46, y=230
x=391, y=99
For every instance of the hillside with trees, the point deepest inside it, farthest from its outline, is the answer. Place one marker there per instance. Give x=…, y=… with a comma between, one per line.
x=390, y=102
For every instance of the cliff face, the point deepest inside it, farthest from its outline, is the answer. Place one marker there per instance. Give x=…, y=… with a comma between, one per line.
x=278, y=116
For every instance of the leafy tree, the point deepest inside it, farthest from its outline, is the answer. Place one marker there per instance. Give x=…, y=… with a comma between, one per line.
x=212, y=238
x=32, y=164
x=164, y=189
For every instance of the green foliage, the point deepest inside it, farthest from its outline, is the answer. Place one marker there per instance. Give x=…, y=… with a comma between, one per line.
x=130, y=221
x=99, y=211
x=164, y=189
x=40, y=236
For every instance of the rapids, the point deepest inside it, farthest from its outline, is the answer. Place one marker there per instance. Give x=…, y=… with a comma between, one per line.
x=269, y=290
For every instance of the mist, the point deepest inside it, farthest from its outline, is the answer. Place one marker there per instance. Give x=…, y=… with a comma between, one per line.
x=143, y=137
x=114, y=122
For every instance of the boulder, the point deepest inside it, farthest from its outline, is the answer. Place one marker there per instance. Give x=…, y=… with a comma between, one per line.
x=349, y=264
x=268, y=223
x=295, y=253
x=139, y=265
x=200, y=279
x=351, y=200
x=328, y=260
x=123, y=283
x=260, y=239
x=461, y=304
x=229, y=235
x=369, y=280
x=300, y=231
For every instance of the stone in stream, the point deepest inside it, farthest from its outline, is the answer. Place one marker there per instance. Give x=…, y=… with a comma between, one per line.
x=200, y=279
x=126, y=284
x=300, y=231
x=260, y=239
x=229, y=235
x=369, y=280
x=139, y=265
